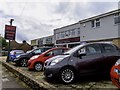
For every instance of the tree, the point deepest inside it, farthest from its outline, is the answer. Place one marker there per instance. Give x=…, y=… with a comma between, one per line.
x=3, y=42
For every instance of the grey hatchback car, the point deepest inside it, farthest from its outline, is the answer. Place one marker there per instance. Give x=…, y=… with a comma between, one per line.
x=86, y=59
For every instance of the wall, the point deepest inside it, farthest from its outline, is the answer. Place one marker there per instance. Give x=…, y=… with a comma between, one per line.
x=106, y=30
x=67, y=32
x=34, y=42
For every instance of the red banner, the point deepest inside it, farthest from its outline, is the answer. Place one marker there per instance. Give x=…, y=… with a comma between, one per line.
x=10, y=32
x=68, y=40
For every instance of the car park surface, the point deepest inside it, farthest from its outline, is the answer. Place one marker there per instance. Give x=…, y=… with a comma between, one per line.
x=83, y=60
x=36, y=62
x=40, y=81
x=22, y=59
x=10, y=82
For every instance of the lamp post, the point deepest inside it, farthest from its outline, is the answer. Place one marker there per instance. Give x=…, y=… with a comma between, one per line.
x=7, y=60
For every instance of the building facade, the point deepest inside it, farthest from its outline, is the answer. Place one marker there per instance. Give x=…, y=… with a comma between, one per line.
x=34, y=43
x=44, y=41
x=67, y=36
x=101, y=28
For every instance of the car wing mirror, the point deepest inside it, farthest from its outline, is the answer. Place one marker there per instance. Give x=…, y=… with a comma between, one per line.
x=81, y=53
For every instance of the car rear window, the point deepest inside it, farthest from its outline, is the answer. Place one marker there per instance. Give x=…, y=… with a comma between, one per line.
x=108, y=48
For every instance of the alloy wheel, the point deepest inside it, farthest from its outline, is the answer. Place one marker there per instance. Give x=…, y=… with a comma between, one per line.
x=38, y=67
x=67, y=75
x=24, y=62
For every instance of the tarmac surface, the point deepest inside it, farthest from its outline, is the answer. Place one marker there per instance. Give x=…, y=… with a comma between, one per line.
x=9, y=81
x=89, y=83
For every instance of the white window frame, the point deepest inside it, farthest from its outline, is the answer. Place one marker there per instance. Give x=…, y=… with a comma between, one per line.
x=94, y=23
x=117, y=15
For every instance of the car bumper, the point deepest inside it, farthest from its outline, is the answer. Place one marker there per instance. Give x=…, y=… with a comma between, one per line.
x=16, y=60
x=11, y=59
x=51, y=71
x=115, y=77
x=30, y=66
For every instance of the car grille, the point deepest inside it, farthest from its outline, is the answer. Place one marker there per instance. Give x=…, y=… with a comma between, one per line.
x=116, y=81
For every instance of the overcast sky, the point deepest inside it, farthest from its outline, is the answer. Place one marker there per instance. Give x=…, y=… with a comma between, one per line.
x=37, y=18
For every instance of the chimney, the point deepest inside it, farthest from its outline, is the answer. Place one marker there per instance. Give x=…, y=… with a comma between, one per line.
x=24, y=42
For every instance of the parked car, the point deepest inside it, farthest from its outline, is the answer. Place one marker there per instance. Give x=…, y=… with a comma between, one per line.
x=115, y=74
x=14, y=53
x=22, y=59
x=86, y=59
x=36, y=62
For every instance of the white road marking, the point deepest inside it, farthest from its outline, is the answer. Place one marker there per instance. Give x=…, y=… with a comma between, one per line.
x=5, y=80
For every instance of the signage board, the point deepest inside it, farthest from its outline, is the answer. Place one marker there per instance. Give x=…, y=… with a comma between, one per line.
x=10, y=32
x=68, y=40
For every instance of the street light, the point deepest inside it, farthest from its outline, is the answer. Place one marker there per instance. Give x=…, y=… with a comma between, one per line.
x=7, y=60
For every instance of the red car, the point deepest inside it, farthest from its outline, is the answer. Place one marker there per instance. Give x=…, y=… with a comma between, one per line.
x=115, y=74
x=36, y=62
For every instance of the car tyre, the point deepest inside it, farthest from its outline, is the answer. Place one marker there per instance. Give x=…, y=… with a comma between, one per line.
x=67, y=75
x=38, y=66
x=23, y=62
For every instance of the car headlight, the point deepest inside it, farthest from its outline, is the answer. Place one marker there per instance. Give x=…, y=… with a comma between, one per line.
x=117, y=63
x=117, y=71
x=34, y=57
x=55, y=61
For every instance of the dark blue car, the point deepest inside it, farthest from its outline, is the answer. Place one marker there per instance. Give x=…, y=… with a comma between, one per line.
x=14, y=53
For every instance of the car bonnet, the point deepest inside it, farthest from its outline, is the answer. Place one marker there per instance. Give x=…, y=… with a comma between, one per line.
x=56, y=57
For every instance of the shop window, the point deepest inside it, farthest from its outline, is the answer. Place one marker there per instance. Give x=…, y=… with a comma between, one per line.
x=73, y=32
x=58, y=36
x=62, y=34
x=78, y=31
x=67, y=33
x=48, y=40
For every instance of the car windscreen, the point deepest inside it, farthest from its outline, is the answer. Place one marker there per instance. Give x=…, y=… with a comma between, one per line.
x=30, y=51
x=40, y=50
x=45, y=49
x=73, y=50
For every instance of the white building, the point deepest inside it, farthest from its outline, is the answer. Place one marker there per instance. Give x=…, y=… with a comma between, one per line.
x=44, y=41
x=34, y=43
x=100, y=28
x=104, y=27
x=67, y=36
